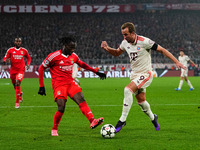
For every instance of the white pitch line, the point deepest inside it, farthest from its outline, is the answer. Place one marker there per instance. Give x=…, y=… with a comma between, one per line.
x=4, y=83
x=102, y=105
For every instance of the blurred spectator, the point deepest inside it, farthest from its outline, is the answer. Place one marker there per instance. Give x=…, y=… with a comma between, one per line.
x=123, y=68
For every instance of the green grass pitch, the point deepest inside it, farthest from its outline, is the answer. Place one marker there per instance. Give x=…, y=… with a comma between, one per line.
x=29, y=126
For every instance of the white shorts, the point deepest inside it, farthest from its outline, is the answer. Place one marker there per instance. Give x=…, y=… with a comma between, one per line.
x=184, y=73
x=142, y=81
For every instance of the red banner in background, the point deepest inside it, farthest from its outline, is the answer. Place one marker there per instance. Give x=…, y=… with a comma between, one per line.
x=67, y=8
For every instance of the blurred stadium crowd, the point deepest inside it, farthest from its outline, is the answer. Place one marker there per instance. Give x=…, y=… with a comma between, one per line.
x=174, y=30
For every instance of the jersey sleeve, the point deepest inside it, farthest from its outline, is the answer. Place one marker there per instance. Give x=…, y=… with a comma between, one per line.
x=86, y=66
x=122, y=45
x=28, y=57
x=47, y=61
x=7, y=55
x=148, y=43
x=45, y=64
x=187, y=58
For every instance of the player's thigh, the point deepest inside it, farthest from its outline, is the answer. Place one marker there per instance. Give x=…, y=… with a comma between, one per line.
x=184, y=73
x=13, y=78
x=20, y=76
x=75, y=93
x=141, y=97
x=60, y=92
x=143, y=80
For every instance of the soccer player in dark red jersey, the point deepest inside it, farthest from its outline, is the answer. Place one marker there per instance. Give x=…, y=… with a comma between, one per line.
x=16, y=57
x=61, y=63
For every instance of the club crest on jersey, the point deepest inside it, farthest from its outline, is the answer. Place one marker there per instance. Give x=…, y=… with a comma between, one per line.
x=14, y=52
x=58, y=92
x=72, y=61
x=21, y=52
x=138, y=48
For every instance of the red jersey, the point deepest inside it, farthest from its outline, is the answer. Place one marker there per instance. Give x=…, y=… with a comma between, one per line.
x=61, y=67
x=17, y=59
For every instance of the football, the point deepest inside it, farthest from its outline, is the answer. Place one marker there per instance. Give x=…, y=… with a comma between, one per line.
x=108, y=131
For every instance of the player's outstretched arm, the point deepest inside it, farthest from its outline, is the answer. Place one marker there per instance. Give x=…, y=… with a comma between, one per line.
x=112, y=51
x=41, y=80
x=28, y=58
x=193, y=63
x=170, y=56
x=87, y=67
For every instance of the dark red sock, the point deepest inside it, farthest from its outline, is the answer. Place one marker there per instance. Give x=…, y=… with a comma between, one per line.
x=86, y=111
x=57, y=117
x=17, y=93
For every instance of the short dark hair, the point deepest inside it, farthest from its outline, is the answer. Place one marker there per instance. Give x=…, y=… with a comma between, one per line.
x=67, y=40
x=18, y=38
x=130, y=26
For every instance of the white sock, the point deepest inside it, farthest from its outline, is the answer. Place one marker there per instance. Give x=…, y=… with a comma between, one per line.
x=189, y=83
x=128, y=100
x=180, y=84
x=147, y=110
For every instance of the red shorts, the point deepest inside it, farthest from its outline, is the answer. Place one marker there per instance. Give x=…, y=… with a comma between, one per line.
x=17, y=76
x=66, y=90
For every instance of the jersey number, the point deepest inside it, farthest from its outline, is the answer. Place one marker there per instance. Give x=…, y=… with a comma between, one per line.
x=133, y=56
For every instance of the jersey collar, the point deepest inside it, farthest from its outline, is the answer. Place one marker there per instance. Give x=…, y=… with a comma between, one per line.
x=18, y=48
x=136, y=39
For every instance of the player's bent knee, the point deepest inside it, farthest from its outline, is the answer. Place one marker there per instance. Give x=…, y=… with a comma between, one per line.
x=61, y=105
x=127, y=91
x=17, y=83
x=78, y=98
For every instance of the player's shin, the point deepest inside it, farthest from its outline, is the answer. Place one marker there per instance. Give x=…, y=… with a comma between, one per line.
x=189, y=83
x=86, y=111
x=127, y=103
x=57, y=118
x=17, y=93
x=180, y=84
x=146, y=109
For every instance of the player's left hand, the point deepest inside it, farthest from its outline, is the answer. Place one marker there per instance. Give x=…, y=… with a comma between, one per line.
x=101, y=75
x=7, y=60
x=27, y=67
x=42, y=91
x=196, y=65
x=180, y=65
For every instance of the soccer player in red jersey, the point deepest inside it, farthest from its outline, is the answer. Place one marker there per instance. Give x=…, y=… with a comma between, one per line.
x=61, y=63
x=16, y=56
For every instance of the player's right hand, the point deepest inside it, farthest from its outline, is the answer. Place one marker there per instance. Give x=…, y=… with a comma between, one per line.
x=180, y=65
x=101, y=75
x=42, y=91
x=104, y=45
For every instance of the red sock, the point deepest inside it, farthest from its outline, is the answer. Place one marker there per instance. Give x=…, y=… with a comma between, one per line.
x=17, y=93
x=86, y=111
x=57, y=117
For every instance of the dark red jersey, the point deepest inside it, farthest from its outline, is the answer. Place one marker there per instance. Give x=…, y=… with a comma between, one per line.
x=17, y=59
x=61, y=67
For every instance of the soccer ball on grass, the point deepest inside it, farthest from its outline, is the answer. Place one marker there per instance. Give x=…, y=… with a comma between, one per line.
x=108, y=131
